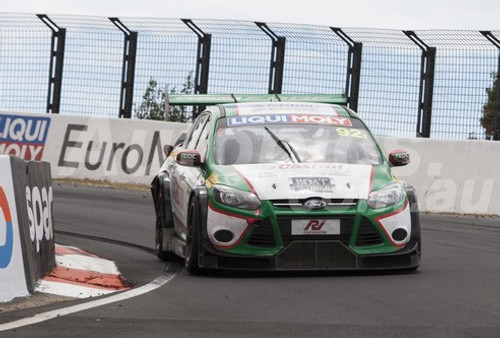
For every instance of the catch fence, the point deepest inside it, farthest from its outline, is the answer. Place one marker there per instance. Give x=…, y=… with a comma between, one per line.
x=422, y=83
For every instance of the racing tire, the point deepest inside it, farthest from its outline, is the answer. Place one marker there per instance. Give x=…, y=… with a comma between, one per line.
x=192, y=239
x=160, y=251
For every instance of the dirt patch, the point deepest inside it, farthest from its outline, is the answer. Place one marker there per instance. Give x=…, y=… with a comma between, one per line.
x=487, y=216
x=36, y=300
x=104, y=184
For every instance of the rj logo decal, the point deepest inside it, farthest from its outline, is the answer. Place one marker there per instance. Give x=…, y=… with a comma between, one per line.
x=314, y=225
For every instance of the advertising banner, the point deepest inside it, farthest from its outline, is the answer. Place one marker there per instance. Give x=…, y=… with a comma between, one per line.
x=34, y=197
x=12, y=272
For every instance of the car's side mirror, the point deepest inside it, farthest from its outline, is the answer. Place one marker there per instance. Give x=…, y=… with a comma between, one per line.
x=189, y=158
x=167, y=149
x=399, y=157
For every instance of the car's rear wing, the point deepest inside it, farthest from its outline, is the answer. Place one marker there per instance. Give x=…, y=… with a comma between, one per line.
x=213, y=99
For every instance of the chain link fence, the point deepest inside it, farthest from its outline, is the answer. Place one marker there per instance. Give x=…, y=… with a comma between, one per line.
x=429, y=83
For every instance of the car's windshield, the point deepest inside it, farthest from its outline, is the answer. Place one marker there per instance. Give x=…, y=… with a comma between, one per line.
x=253, y=139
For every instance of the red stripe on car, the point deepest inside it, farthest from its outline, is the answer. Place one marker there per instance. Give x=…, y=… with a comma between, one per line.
x=245, y=179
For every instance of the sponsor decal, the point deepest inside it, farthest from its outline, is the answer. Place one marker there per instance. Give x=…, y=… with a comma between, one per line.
x=23, y=136
x=39, y=203
x=310, y=166
x=128, y=157
x=189, y=156
x=316, y=227
x=212, y=179
x=321, y=119
x=257, y=119
x=289, y=118
x=399, y=157
x=6, y=249
x=313, y=184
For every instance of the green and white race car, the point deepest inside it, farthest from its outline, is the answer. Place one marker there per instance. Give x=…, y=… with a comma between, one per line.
x=282, y=182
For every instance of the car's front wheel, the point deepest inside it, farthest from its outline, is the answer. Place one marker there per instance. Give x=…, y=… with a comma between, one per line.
x=192, y=239
x=160, y=250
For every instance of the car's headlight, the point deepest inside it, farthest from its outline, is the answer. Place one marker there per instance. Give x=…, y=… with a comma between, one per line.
x=385, y=197
x=235, y=198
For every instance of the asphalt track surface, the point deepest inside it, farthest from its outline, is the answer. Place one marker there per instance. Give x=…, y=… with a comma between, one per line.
x=456, y=292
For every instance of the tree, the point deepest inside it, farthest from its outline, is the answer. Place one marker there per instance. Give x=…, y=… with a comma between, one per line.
x=152, y=106
x=491, y=115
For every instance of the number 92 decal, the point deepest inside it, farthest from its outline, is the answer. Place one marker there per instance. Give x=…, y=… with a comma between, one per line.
x=356, y=133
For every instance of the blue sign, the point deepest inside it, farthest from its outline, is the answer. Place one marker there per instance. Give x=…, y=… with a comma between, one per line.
x=23, y=136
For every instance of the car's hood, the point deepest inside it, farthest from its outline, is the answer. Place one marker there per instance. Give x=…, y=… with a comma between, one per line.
x=304, y=180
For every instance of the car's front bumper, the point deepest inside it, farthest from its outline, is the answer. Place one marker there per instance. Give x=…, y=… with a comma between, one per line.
x=314, y=255
x=348, y=250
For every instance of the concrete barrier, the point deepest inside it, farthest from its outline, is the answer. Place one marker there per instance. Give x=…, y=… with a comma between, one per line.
x=450, y=176
x=116, y=150
x=459, y=176
x=26, y=227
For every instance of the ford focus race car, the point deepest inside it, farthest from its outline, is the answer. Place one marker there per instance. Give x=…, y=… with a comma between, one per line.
x=290, y=185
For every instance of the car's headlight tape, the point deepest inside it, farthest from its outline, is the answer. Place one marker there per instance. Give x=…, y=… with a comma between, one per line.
x=386, y=197
x=235, y=198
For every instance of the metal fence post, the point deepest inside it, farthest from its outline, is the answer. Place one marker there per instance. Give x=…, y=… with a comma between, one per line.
x=128, y=69
x=277, y=59
x=202, y=61
x=353, y=74
x=426, y=90
x=58, y=42
x=496, y=123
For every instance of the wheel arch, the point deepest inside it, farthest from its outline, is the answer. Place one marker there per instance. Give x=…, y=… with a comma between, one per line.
x=200, y=193
x=415, y=216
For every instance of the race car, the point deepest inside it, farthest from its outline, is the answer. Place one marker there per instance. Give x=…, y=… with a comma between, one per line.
x=283, y=182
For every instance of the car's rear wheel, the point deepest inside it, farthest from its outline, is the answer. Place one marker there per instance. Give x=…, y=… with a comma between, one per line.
x=192, y=239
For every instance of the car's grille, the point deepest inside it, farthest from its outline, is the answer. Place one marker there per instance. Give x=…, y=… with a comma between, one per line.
x=346, y=226
x=299, y=203
x=367, y=234
x=262, y=236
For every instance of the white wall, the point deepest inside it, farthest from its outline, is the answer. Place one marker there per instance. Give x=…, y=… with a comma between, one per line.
x=450, y=176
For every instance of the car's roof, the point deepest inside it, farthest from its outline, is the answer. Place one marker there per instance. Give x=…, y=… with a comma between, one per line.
x=277, y=108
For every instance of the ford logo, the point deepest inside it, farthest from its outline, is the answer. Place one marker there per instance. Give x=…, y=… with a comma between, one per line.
x=315, y=204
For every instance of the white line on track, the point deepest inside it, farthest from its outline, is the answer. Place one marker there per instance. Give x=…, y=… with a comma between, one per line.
x=41, y=317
